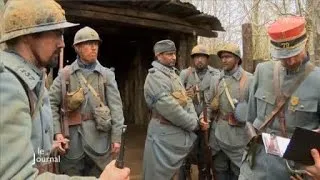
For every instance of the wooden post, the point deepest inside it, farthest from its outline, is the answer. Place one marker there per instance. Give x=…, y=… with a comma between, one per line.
x=316, y=28
x=182, y=52
x=191, y=42
x=247, y=60
x=2, y=46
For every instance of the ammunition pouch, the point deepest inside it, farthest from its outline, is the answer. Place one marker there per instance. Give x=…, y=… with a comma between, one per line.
x=231, y=119
x=75, y=99
x=76, y=118
x=181, y=97
x=102, y=116
x=215, y=104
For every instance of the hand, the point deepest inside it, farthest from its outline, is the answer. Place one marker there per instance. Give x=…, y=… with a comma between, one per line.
x=57, y=144
x=314, y=171
x=316, y=130
x=190, y=92
x=296, y=177
x=115, y=147
x=61, y=143
x=111, y=172
x=204, y=125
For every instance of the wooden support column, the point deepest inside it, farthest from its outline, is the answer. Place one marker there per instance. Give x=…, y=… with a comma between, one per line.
x=2, y=45
x=186, y=43
x=182, y=52
x=247, y=60
x=316, y=28
x=191, y=42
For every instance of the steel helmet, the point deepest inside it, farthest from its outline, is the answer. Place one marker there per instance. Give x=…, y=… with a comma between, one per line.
x=199, y=49
x=21, y=17
x=231, y=48
x=86, y=34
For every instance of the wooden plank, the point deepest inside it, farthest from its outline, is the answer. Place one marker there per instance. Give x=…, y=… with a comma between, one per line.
x=247, y=61
x=134, y=105
x=126, y=12
x=178, y=8
x=139, y=22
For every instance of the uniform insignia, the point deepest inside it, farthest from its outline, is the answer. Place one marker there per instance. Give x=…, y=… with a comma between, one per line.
x=152, y=70
x=294, y=100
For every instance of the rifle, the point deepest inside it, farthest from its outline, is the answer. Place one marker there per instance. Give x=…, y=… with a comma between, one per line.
x=205, y=164
x=120, y=159
x=64, y=107
x=196, y=88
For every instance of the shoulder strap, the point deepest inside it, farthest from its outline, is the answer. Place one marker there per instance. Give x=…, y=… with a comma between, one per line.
x=282, y=99
x=105, y=83
x=228, y=94
x=34, y=104
x=189, y=72
x=93, y=91
x=243, y=82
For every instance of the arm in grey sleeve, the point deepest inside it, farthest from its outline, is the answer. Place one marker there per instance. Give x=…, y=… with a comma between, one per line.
x=157, y=91
x=16, y=150
x=115, y=104
x=248, y=88
x=252, y=102
x=183, y=76
x=209, y=95
x=55, y=102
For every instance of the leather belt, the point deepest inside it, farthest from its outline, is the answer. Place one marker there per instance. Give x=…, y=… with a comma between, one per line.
x=50, y=167
x=158, y=117
x=75, y=118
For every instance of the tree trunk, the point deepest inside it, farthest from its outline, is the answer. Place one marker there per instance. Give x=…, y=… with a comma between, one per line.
x=316, y=33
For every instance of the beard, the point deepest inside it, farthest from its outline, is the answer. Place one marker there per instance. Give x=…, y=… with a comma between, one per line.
x=53, y=63
x=200, y=66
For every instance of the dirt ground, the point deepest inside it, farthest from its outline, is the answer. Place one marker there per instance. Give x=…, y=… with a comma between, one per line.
x=135, y=139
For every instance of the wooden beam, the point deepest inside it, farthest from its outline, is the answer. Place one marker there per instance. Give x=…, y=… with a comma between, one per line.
x=247, y=60
x=139, y=22
x=126, y=12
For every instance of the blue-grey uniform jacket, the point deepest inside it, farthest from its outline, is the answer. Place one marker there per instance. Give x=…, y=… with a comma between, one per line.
x=167, y=144
x=85, y=138
x=230, y=139
x=189, y=79
x=304, y=113
x=21, y=136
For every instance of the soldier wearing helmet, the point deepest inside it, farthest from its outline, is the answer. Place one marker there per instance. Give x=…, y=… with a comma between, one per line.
x=227, y=98
x=197, y=79
x=199, y=75
x=95, y=107
x=291, y=83
x=32, y=31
